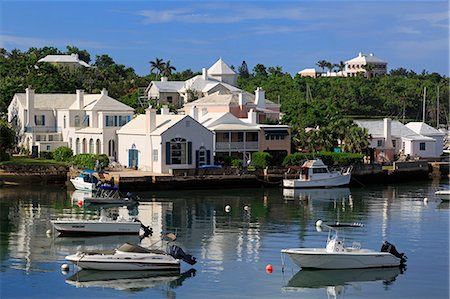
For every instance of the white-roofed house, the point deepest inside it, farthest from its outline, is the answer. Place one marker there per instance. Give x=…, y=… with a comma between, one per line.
x=71, y=61
x=426, y=130
x=219, y=77
x=239, y=138
x=357, y=65
x=390, y=137
x=310, y=72
x=239, y=103
x=84, y=122
x=161, y=142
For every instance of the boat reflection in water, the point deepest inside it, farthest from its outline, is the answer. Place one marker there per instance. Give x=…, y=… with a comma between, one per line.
x=336, y=281
x=70, y=244
x=129, y=280
x=316, y=193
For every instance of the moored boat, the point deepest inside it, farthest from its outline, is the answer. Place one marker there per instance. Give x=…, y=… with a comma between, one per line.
x=314, y=174
x=103, y=226
x=443, y=194
x=336, y=255
x=131, y=257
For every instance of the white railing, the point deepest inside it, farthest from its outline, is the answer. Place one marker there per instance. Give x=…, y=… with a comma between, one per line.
x=237, y=145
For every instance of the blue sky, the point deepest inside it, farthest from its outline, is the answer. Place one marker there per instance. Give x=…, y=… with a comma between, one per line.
x=194, y=34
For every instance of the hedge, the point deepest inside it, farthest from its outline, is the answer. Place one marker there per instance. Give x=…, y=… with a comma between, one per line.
x=88, y=161
x=63, y=153
x=261, y=160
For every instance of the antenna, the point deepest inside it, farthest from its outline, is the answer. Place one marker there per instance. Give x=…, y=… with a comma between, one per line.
x=437, y=108
x=424, y=96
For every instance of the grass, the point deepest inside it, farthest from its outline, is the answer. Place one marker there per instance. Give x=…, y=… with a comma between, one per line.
x=30, y=161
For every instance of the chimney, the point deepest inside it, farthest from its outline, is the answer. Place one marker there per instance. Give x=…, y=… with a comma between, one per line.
x=241, y=100
x=80, y=99
x=104, y=92
x=252, y=117
x=204, y=73
x=194, y=113
x=371, y=54
x=165, y=110
x=29, y=105
x=387, y=133
x=360, y=54
x=150, y=120
x=164, y=79
x=260, y=100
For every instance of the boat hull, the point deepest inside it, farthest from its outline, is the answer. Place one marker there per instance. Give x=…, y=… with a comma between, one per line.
x=332, y=181
x=443, y=194
x=67, y=227
x=118, y=262
x=319, y=258
x=79, y=184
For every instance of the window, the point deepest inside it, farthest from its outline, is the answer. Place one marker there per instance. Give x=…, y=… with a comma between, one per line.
x=77, y=146
x=169, y=99
x=109, y=121
x=64, y=122
x=48, y=147
x=84, y=146
x=422, y=146
x=319, y=170
x=91, y=146
x=77, y=120
x=50, y=137
x=379, y=143
x=86, y=121
x=98, y=146
x=39, y=120
x=394, y=143
x=201, y=156
x=155, y=155
x=116, y=121
x=178, y=151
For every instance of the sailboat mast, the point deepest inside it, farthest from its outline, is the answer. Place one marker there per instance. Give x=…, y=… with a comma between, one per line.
x=437, y=108
x=424, y=96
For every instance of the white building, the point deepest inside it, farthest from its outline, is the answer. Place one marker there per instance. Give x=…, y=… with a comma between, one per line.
x=71, y=61
x=357, y=65
x=219, y=77
x=87, y=123
x=426, y=130
x=161, y=142
x=390, y=137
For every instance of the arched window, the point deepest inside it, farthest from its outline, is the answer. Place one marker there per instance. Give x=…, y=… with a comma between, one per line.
x=91, y=146
x=111, y=148
x=178, y=151
x=77, y=146
x=84, y=146
x=202, y=156
x=98, y=147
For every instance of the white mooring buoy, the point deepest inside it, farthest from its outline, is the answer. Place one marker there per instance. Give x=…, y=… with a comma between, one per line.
x=227, y=208
x=65, y=268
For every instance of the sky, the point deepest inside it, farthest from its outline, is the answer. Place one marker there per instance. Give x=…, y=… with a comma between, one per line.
x=194, y=34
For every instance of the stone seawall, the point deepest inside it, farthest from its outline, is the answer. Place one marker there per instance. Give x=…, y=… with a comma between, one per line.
x=34, y=174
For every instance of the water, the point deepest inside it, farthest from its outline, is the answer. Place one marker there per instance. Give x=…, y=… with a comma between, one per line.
x=233, y=248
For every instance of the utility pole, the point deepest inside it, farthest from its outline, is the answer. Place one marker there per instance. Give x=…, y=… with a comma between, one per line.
x=424, y=96
x=437, y=108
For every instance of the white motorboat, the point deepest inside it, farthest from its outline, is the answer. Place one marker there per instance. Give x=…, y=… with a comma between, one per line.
x=102, y=226
x=86, y=181
x=443, y=194
x=128, y=280
x=130, y=257
x=314, y=174
x=336, y=255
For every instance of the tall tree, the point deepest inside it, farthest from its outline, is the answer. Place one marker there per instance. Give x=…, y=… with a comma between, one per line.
x=243, y=70
x=82, y=54
x=167, y=71
x=157, y=65
x=260, y=71
x=322, y=64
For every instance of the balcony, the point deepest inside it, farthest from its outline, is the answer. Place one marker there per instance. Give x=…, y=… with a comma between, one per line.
x=51, y=129
x=237, y=146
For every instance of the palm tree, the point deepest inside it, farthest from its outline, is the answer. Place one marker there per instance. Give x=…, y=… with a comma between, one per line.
x=329, y=66
x=167, y=71
x=340, y=66
x=157, y=65
x=322, y=64
x=369, y=68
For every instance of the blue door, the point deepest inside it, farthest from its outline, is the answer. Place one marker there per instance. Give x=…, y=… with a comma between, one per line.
x=133, y=158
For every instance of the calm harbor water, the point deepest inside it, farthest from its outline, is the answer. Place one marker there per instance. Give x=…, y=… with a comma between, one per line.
x=232, y=248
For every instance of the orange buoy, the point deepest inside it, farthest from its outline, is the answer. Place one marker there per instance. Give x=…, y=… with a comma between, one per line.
x=269, y=268
x=80, y=203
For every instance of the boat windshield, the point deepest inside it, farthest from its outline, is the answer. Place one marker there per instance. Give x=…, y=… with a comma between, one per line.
x=127, y=247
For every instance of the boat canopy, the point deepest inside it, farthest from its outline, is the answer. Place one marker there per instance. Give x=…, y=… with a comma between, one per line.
x=127, y=247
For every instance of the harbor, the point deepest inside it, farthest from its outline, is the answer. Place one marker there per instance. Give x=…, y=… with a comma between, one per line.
x=234, y=234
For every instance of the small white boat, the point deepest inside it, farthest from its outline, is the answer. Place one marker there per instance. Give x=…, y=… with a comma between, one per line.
x=338, y=256
x=102, y=226
x=443, y=194
x=86, y=181
x=314, y=174
x=130, y=257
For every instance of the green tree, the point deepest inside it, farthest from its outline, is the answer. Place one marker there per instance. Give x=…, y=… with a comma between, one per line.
x=260, y=71
x=168, y=68
x=243, y=70
x=7, y=139
x=157, y=65
x=322, y=64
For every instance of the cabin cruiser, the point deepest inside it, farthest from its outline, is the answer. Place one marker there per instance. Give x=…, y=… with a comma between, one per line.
x=336, y=255
x=314, y=174
x=131, y=257
x=86, y=181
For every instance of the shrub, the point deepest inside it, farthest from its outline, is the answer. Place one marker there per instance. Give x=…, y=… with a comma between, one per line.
x=46, y=155
x=261, y=160
x=88, y=161
x=236, y=163
x=63, y=153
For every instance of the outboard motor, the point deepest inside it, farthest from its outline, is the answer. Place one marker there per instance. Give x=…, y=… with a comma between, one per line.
x=178, y=253
x=388, y=247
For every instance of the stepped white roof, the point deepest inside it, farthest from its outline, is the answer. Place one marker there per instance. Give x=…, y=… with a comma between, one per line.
x=138, y=124
x=64, y=59
x=424, y=129
x=220, y=68
x=365, y=58
x=398, y=130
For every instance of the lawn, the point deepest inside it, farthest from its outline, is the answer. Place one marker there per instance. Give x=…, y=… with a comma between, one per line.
x=30, y=161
